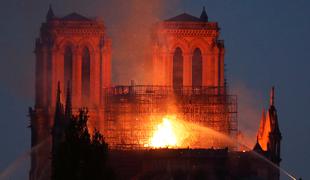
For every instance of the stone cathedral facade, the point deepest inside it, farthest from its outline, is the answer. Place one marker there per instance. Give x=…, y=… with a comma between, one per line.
x=188, y=63
x=76, y=52
x=187, y=51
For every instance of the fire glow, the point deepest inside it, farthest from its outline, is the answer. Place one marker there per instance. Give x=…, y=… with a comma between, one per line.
x=173, y=132
x=168, y=134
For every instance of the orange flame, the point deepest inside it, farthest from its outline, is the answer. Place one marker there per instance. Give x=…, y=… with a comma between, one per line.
x=169, y=133
x=172, y=132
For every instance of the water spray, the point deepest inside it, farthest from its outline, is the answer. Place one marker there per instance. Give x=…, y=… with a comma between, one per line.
x=13, y=166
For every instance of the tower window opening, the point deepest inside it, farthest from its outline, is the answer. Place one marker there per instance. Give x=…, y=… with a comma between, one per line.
x=177, y=68
x=197, y=69
x=68, y=61
x=85, y=75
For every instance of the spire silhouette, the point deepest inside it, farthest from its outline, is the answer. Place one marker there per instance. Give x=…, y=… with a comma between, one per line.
x=273, y=111
x=274, y=143
x=204, y=15
x=257, y=146
x=272, y=96
x=59, y=110
x=58, y=101
x=50, y=14
x=68, y=108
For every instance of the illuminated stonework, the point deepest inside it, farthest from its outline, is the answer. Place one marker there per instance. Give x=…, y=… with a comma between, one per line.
x=188, y=83
x=187, y=52
x=75, y=51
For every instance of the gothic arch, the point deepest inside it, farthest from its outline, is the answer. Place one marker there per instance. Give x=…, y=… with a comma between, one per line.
x=86, y=71
x=177, y=68
x=203, y=45
x=66, y=52
x=84, y=43
x=197, y=68
x=65, y=43
x=67, y=65
x=179, y=43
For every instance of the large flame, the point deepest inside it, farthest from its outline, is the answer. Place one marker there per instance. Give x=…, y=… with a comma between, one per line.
x=173, y=132
x=169, y=134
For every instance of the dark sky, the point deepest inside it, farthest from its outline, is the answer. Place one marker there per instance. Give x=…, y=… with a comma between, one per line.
x=267, y=43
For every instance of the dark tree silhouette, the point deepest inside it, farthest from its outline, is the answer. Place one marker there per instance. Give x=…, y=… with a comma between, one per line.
x=79, y=155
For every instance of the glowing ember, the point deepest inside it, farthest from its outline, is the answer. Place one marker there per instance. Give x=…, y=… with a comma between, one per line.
x=173, y=132
x=170, y=133
x=164, y=135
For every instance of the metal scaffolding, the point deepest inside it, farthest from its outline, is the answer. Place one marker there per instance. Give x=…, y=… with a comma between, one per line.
x=132, y=112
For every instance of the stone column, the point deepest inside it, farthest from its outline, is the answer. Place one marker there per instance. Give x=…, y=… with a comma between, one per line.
x=94, y=78
x=216, y=61
x=59, y=73
x=187, y=69
x=169, y=61
x=45, y=73
x=39, y=77
x=107, y=63
x=77, y=79
x=159, y=70
x=210, y=68
x=165, y=69
x=49, y=75
x=52, y=77
x=101, y=70
x=155, y=68
x=222, y=66
x=205, y=69
x=107, y=67
x=162, y=69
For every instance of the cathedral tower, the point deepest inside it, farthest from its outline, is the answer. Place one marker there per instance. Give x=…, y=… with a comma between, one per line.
x=269, y=135
x=76, y=49
x=274, y=143
x=72, y=50
x=187, y=52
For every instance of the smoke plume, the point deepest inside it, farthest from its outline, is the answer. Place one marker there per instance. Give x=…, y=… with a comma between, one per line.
x=129, y=24
x=250, y=104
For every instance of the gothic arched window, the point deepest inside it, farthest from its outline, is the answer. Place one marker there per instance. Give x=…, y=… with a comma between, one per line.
x=177, y=68
x=85, y=75
x=68, y=61
x=197, y=68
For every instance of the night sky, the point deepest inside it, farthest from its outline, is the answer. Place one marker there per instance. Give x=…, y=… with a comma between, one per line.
x=267, y=43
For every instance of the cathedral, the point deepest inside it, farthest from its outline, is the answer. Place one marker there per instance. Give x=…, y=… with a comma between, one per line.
x=73, y=58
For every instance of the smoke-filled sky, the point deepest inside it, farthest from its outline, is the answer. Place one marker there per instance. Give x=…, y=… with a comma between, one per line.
x=267, y=43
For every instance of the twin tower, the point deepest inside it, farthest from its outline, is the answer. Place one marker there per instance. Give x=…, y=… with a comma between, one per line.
x=76, y=51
